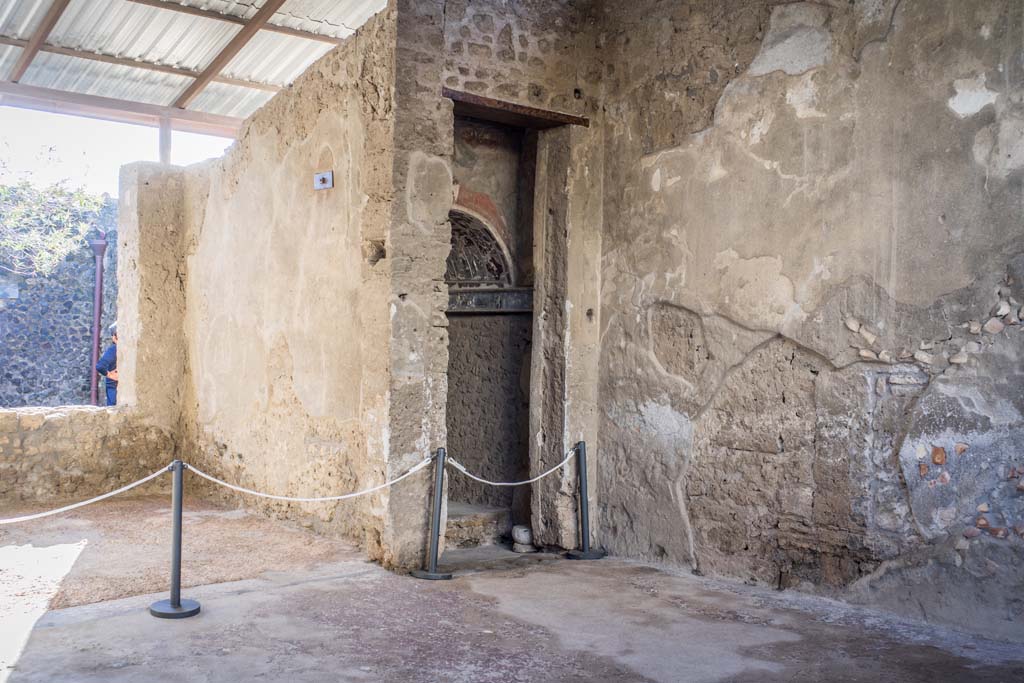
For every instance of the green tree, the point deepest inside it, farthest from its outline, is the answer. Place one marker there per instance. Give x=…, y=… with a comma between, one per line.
x=39, y=227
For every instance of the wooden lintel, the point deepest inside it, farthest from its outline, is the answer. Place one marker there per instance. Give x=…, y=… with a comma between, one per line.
x=31, y=49
x=123, y=111
x=509, y=113
x=232, y=19
x=137, y=64
x=233, y=47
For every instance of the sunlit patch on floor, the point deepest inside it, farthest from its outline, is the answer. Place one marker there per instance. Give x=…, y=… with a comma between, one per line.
x=29, y=578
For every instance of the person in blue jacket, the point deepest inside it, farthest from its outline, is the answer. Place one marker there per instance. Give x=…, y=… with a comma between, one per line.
x=107, y=366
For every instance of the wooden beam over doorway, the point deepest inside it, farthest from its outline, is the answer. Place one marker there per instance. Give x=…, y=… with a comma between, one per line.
x=509, y=113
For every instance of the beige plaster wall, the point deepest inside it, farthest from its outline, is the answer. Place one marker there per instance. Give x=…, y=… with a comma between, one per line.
x=288, y=293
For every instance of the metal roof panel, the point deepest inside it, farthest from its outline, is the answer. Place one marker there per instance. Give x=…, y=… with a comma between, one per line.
x=274, y=58
x=8, y=56
x=71, y=74
x=19, y=18
x=131, y=30
x=230, y=100
x=127, y=29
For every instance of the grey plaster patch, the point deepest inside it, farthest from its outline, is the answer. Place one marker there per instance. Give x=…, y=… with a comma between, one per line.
x=797, y=41
x=972, y=95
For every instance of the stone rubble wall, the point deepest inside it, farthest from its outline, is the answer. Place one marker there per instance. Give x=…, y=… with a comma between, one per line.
x=59, y=455
x=55, y=455
x=811, y=290
x=46, y=327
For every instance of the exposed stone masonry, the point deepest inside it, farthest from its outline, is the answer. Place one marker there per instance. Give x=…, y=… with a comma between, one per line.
x=46, y=327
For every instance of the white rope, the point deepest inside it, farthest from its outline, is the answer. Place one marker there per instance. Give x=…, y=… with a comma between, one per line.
x=39, y=515
x=461, y=468
x=413, y=470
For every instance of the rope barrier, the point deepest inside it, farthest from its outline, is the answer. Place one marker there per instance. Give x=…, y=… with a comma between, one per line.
x=68, y=508
x=324, y=499
x=461, y=468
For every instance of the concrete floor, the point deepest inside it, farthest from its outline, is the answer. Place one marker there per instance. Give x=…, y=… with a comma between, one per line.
x=505, y=617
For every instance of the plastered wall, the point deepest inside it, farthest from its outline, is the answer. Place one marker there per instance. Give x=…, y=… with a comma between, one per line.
x=288, y=290
x=811, y=276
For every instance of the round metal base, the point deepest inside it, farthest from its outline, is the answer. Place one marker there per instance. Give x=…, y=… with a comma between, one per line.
x=592, y=554
x=162, y=609
x=430, y=576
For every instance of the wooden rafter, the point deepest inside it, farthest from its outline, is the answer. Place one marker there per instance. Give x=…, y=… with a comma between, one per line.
x=110, y=109
x=137, y=64
x=230, y=50
x=30, y=51
x=210, y=14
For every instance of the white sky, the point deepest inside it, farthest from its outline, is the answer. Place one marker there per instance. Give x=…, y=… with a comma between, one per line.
x=48, y=148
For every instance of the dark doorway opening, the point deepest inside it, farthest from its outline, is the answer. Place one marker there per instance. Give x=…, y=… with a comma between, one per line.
x=490, y=326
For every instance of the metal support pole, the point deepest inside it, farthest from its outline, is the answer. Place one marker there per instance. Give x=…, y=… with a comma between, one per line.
x=431, y=573
x=99, y=248
x=585, y=552
x=175, y=608
x=165, y=141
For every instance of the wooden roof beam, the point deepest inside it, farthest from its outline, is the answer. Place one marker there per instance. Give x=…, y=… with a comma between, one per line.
x=137, y=64
x=42, y=31
x=110, y=109
x=230, y=18
x=230, y=50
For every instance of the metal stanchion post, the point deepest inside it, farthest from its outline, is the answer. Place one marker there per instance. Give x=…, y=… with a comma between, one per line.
x=431, y=572
x=175, y=608
x=585, y=552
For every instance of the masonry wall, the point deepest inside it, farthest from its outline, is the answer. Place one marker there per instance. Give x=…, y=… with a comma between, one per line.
x=420, y=242
x=811, y=275
x=288, y=295
x=541, y=53
x=46, y=326
x=60, y=454
x=488, y=400
x=489, y=354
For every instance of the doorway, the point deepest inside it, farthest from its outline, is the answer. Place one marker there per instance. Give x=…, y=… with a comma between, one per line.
x=490, y=324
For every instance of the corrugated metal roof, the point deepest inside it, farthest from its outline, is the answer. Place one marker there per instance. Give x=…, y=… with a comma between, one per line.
x=70, y=74
x=126, y=29
x=337, y=18
x=19, y=18
x=230, y=100
x=8, y=56
x=275, y=58
x=139, y=32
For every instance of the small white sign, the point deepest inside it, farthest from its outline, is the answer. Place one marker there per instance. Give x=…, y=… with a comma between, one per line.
x=323, y=181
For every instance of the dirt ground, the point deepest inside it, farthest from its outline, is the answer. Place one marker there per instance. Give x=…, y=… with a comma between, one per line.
x=127, y=549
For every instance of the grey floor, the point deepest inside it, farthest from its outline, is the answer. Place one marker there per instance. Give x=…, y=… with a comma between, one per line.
x=503, y=618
